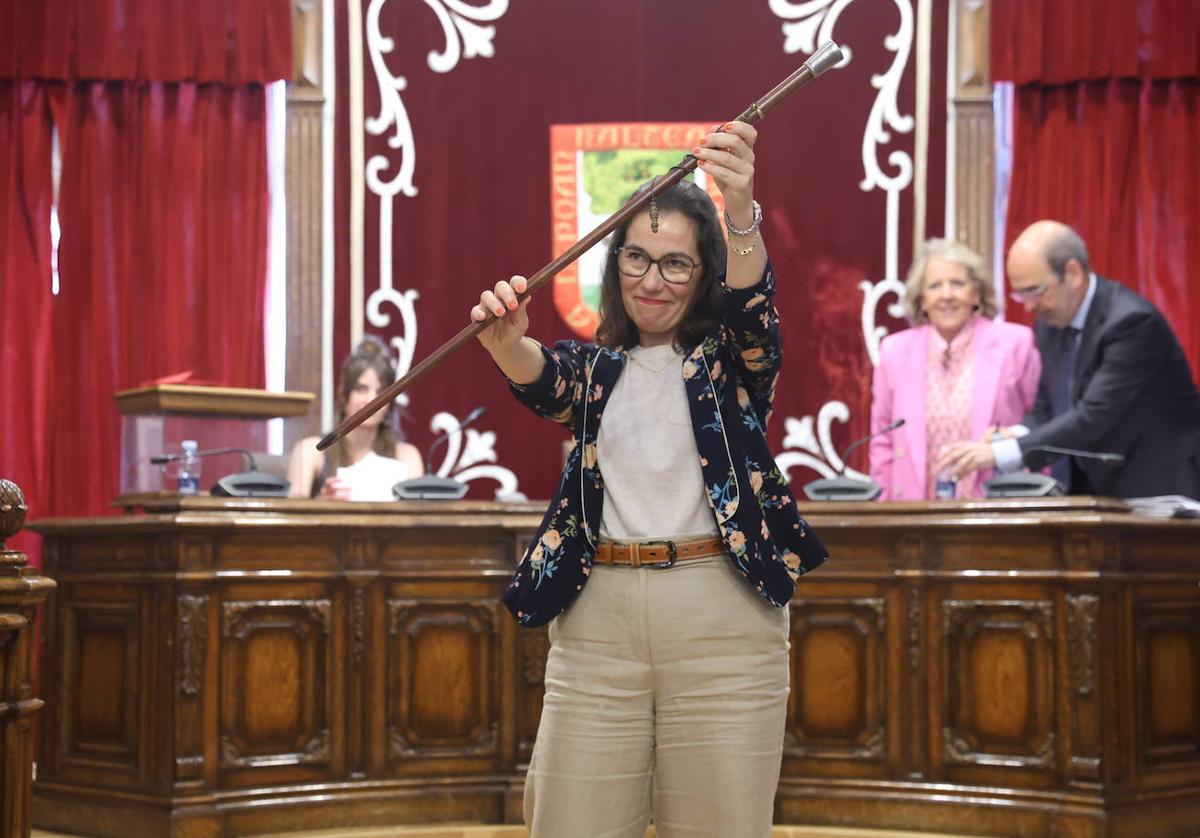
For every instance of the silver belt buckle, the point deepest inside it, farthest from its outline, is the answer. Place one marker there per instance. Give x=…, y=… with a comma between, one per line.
x=670, y=545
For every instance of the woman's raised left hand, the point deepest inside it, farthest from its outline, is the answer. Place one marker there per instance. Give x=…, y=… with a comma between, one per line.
x=727, y=156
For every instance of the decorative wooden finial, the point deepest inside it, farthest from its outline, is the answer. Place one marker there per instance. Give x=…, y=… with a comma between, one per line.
x=12, y=510
x=12, y=518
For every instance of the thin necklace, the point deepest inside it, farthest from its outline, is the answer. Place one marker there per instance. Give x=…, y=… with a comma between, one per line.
x=654, y=368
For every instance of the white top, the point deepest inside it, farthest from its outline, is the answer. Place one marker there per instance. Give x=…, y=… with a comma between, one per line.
x=646, y=450
x=372, y=477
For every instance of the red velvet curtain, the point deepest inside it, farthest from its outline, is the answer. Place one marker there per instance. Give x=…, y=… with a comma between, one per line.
x=162, y=260
x=25, y=199
x=160, y=110
x=1106, y=137
x=233, y=42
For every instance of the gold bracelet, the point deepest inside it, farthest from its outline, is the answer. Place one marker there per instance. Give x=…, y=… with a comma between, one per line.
x=744, y=251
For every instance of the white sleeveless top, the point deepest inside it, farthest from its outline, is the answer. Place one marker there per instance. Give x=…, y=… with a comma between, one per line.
x=372, y=477
x=646, y=450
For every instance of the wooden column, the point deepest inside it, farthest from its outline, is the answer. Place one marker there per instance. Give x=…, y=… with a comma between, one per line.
x=305, y=201
x=971, y=109
x=21, y=592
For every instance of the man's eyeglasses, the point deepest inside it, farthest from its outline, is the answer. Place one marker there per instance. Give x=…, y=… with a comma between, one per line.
x=1027, y=294
x=675, y=268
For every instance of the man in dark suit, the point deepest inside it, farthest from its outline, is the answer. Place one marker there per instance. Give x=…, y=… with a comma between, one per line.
x=1114, y=379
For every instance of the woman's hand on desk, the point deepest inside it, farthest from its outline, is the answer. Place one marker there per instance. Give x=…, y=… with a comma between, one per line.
x=335, y=489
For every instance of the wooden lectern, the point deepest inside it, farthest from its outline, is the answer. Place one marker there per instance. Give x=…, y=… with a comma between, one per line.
x=22, y=590
x=220, y=667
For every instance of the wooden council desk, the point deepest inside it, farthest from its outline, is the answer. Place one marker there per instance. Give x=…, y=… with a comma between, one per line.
x=224, y=667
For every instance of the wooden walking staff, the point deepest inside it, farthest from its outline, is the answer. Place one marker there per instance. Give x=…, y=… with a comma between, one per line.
x=818, y=63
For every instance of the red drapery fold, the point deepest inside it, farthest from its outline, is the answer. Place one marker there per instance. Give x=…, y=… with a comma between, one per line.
x=228, y=41
x=1060, y=41
x=25, y=198
x=1117, y=161
x=1106, y=137
x=163, y=259
x=161, y=114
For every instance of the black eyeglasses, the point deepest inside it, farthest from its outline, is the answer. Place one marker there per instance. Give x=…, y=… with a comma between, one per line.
x=675, y=268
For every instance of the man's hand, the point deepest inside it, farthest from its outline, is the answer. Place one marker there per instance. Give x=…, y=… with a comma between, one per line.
x=995, y=432
x=962, y=458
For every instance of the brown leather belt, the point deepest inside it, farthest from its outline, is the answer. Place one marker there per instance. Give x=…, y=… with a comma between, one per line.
x=657, y=554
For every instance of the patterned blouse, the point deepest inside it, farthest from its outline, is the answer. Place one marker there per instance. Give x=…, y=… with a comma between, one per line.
x=949, y=380
x=729, y=378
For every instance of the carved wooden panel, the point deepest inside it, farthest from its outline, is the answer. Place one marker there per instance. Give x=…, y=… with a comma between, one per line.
x=306, y=45
x=534, y=647
x=839, y=697
x=917, y=687
x=973, y=141
x=442, y=671
x=305, y=254
x=276, y=661
x=101, y=652
x=306, y=194
x=1082, y=655
x=972, y=74
x=191, y=633
x=192, y=612
x=998, y=690
x=1168, y=683
x=974, y=175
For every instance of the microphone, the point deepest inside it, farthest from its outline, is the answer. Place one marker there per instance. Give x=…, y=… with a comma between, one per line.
x=445, y=435
x=161, y=459
x=899, y=423
x=1031, y=484
x=849, y=488
x=251, y=483
x=1100, y=456
x=430, y=486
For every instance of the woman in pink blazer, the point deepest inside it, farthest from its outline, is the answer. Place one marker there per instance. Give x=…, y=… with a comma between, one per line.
x=951, y=377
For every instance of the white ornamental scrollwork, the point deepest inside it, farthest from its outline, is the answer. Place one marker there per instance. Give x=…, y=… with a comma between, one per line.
x=873, y=294
x=461, y=21
x=465, y=38
x=807, y=25
x=811, y=23
x=815, y=451
x=462, y=461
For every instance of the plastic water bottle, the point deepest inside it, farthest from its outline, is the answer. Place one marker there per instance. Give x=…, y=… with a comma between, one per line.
x=189, y=469
x=944, y=488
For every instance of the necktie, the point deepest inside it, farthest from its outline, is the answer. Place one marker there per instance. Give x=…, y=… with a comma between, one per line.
x=1061, y=398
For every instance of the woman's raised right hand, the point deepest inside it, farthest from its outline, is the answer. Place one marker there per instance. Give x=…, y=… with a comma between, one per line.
x=510, y=320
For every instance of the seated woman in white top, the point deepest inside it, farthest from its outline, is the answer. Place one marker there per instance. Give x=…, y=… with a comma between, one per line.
x=367, y=462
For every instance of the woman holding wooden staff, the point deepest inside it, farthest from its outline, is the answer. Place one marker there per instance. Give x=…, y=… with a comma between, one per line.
x=667, y=678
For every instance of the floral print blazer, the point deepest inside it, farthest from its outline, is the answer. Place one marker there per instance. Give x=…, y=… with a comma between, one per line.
x=730, y=382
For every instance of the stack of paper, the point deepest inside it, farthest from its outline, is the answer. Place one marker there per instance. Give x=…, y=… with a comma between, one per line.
x=1165, y=506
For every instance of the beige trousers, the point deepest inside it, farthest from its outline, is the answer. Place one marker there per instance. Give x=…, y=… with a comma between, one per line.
x=666, y=697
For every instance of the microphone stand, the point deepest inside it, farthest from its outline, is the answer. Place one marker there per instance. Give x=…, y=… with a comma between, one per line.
x=251, y=483
x=430, y=486
x=842, y=488
x=1035, y=484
